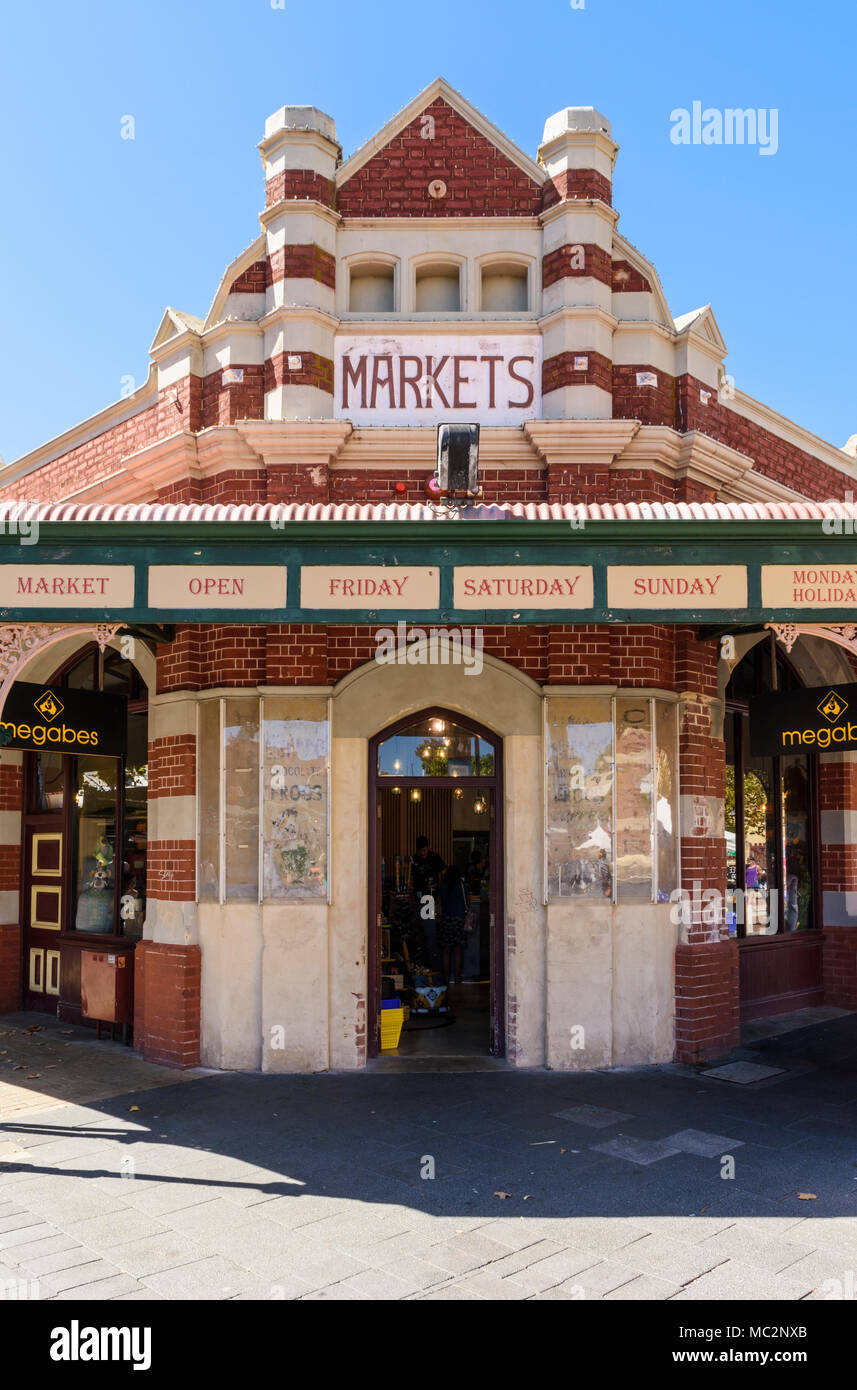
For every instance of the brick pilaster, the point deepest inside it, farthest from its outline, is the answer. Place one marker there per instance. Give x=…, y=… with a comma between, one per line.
x=167, y=999
x=707, y=986
x=837, y=795
x=10, y=967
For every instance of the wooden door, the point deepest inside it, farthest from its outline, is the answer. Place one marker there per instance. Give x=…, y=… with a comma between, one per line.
x=43, y=892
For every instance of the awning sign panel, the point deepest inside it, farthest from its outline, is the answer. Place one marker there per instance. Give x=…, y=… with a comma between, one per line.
x=523, y=586
x=369, y=586
x=66, y=586
x=809, y=586
x=217, y=586
x=677, y=586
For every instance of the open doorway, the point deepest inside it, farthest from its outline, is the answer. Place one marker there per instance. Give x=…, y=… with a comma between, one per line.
x=435, y=888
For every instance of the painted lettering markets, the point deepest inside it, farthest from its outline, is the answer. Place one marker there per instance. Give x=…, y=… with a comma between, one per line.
x=453, y=381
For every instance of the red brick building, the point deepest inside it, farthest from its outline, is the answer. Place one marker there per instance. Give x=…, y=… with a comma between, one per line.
x=228, y=549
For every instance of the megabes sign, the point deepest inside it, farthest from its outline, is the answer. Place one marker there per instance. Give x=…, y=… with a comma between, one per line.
x=804, y=721
x=68, y=721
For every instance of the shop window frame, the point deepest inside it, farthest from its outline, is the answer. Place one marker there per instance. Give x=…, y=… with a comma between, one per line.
x=788, y=678
x=652, y=699
x=221, y=898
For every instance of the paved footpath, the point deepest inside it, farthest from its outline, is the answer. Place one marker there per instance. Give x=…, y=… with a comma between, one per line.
x=656, y=1183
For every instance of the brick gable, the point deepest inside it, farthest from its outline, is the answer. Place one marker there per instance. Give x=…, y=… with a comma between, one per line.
x=481, y=181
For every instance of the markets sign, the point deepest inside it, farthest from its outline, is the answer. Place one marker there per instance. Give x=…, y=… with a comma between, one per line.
x=68, y=721
x=802, y=721
x=492, y=380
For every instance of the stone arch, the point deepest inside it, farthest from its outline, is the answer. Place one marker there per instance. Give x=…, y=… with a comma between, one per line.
x=43, y=665
x=815, y=655
x=375, y=695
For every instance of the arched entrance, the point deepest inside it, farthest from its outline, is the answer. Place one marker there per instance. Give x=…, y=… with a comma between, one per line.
x=774, y=881
x=84, y=837
x=435, y=879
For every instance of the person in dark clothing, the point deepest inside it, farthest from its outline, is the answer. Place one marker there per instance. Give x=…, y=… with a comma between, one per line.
x=454, y=904
x=476, y=871
x=426, y=869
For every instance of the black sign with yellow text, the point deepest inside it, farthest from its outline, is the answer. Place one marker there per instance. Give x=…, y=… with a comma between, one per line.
x=68, y=721
x=804, y=721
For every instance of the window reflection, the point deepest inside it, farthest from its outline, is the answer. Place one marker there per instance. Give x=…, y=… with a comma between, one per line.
x=580, y=798
x=769, y=886
x=47, y=783
x=94, y=881
x=436, y=748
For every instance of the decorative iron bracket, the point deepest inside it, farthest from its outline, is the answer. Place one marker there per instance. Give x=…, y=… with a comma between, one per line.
x=843, y=634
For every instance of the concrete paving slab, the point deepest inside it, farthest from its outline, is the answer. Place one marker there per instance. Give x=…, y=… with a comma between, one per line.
x=743, y=1073
x=592, y=1116
x=211, y=1278
x=697, y=1141
x=641, y=1151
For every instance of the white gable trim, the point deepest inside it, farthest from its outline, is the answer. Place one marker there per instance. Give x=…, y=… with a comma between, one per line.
x=257, y=251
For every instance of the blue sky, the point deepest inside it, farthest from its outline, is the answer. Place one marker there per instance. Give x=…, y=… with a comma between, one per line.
x=98, y=234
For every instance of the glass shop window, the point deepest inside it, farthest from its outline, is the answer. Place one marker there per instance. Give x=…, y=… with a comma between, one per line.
x=580, y=771
x=771, y=815
x=612, y=798
x=285, y=742
x=435, y=748
x=208, y=788
x=132, y=901
x=241, y=805
x=295, y=798
x=107, y=814
x=95, y=800
x=47, y=784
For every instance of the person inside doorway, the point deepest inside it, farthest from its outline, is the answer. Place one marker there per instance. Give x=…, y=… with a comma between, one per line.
x=454, y=903
x=476, y=871
x=426, y=869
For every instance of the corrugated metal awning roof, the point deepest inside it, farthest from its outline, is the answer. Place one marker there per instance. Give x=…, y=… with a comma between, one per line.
x=282, y=513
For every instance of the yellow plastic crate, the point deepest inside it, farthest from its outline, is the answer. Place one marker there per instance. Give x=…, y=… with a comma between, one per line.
x=391, y=1028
